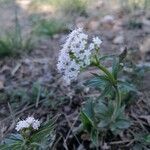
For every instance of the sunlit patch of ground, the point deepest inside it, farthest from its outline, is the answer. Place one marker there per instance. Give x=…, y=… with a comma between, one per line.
x=31, y=7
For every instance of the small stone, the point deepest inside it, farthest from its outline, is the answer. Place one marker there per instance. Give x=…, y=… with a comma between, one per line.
x=108, y=19
x=118, y=39
x=146, y=22
x=1, y=85
x=145, y=47
x=93, y=24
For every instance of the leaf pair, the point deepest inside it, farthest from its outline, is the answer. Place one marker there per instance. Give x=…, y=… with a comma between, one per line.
x=102, y=83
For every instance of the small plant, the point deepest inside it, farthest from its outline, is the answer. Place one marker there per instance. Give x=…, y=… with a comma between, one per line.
x=13, y=43
x=51, y=27
x=65, y=6
x=74, y=7
x=134, y=24
x=107, y=113
x=31, y=135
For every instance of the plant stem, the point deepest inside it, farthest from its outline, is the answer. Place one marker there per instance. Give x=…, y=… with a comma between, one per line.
x=117, y=103
x=114, y=84
x=104, y=69
x=111, y=78
x=118, y=95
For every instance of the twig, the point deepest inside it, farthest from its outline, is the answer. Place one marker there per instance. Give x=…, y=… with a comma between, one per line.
x=140, y=122
x=38, y=97
x=71, y=127
x=121, y=142
x=21, y=111
x=55, y=144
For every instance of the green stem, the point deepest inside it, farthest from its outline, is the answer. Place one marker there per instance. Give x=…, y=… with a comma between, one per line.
x=111, y=78
x=117, y=103
x=104, y=69
x=114, y=84
x=118, y=95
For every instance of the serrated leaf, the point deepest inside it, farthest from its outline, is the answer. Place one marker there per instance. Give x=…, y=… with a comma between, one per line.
x=98, y=81
x=89, y=109
x=100, y=108
x=106, y=91
x=126, y=86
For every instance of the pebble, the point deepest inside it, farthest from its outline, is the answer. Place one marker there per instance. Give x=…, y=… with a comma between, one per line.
x=118, y=39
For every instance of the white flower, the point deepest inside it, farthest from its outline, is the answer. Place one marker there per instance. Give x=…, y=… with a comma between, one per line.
x=36, y=125
x=27, y=123
x=91, y=47
x=30, y=120
x=97, y=41
x=75, y=54
x=21, y=125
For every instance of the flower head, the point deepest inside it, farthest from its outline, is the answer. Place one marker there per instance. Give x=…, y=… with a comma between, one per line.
x=75, y=54
x=27, y=123
x=97, y=42
x=21, y=125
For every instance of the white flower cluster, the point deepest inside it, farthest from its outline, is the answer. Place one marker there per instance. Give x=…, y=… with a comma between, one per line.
x=76, y=54
x=28, y=122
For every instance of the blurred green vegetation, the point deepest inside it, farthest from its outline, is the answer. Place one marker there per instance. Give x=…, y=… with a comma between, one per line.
x=67, y=6
x=50, y=27
x=65, y=12
x=135, y=4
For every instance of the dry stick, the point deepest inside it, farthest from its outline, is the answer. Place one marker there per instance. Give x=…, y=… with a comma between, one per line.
x=121, y=142
x=38, y=97
x=71, y=126
x=19, y=112
x=141, y=124
x=64, y=144
x=11, y=111
x=55, y=144
x=132, y=141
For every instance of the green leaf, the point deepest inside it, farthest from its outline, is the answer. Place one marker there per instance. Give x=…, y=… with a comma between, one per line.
x=100, y=108
x=116, y=63
x=44, y=131
x=13, y=146
x=13, y=142
x=107, y=90
x=88, y=115
x=127, y=87
x=94, y=136
x=89, y=109
x=115, y=67
x=4, y=147
x=98, y=81
x=86, y=121
x=104, y=123
x=106, y=57
x=123, y=124
x=147, y=138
